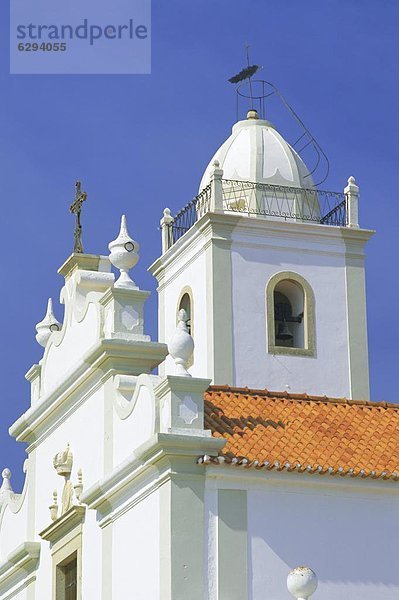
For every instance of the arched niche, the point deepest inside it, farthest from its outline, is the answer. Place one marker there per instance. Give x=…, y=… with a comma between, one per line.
x=186, y=302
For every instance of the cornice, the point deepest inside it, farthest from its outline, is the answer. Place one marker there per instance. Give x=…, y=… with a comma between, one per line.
x=161, y=445
x=179, y=249
x=19, y=563
x=250, y=478
x=105, y=356
x=64, y=524
x=301, y=229
x=125, y=294
x=222, y=225
x=88, y=262
x=181, y=384
x=33, y=372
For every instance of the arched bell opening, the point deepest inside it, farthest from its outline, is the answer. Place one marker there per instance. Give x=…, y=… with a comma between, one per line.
x=288, y=315
x=290, y=307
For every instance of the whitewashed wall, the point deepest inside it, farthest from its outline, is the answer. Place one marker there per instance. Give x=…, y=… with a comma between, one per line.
x=255, y=259
x=136, y=551
x=347, y=531
x=189, y=269
x=229, y=294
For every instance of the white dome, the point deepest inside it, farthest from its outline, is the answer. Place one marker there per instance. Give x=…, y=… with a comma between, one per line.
x=256, y=152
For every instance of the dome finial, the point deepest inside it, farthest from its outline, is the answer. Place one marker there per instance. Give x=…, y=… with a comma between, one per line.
x=252, y=114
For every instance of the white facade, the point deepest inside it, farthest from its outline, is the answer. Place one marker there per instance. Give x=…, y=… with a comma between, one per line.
x=288, y=520
x=226, y=260
x=135, y=510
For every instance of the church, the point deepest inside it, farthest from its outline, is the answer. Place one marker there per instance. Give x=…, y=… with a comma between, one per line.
x=239, y=457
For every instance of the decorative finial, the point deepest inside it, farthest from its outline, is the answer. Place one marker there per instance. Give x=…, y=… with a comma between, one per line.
x=252, y=114
x=302, y=583
x=6, y=485
x=216, y=164
x=124, y=256
x=181, y=346
x=47, y=325
x=63, y=462
x=54, y=507
x=76, y=209
x=166, y=228
x=351, y=179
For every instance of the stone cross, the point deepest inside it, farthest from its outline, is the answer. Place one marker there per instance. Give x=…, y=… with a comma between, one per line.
x=76, y=209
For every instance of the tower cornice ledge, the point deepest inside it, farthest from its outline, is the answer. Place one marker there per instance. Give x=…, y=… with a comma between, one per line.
x=105, y=358
x=228, y=225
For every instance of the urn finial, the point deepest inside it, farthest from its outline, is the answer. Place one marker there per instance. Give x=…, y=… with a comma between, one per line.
x=181, y=346
x=49, y=324
x=124, y=256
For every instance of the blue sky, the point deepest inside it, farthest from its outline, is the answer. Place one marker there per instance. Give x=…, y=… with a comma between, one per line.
x=141, y=142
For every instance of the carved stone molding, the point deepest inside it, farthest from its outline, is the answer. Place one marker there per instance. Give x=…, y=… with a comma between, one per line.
x=64, y=524
x=19, y=564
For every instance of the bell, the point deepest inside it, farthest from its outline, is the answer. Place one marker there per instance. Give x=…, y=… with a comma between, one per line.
x=283, y=332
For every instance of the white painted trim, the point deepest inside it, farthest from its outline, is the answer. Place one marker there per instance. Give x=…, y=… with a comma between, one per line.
x=244, y=478
x=265, y=228
x=134, y=358
x=108, y=489
x=19, y=564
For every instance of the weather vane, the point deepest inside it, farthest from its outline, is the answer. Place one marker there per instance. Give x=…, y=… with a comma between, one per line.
x=76, y=209
x=246, y=73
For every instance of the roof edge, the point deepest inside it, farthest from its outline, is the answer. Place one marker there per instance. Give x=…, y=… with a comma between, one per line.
x=300, y=397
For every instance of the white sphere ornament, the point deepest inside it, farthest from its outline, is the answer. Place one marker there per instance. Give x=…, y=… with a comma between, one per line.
x=6, y=485
x=49, y=324
x=302, y=582
x=124, y=256
x=181, y=346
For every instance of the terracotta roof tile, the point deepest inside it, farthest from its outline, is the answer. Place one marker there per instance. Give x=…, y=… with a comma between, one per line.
x=298, y=432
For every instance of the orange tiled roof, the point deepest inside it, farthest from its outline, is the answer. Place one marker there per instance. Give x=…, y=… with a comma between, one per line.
x=277, y=430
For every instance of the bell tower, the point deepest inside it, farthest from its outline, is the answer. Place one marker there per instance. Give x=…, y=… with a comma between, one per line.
x=270, y=271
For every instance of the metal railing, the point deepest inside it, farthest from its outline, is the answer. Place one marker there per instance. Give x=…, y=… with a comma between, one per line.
x=288, y=203
x=268, y=201
x=190, y=213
